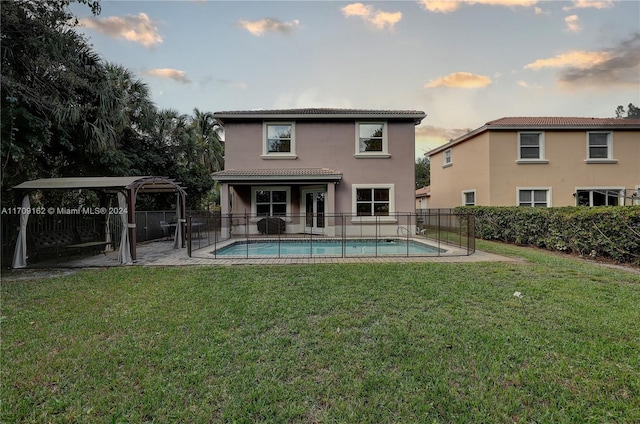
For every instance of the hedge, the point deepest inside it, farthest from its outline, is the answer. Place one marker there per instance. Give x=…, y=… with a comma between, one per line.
x=606, y=232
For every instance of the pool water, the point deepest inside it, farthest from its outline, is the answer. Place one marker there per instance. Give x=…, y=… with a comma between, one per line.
x=262, y=248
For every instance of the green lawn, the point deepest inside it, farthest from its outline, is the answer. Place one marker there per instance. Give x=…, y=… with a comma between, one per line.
x=428, y=342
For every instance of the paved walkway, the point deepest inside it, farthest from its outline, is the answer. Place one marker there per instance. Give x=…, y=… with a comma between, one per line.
x=162, y=253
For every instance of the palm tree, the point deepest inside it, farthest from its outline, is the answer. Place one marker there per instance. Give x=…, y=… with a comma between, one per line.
x=207, y=134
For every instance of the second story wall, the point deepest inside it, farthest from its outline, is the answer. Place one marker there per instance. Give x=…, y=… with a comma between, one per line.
x=565, y=166
x=469, y=171
x=332, y=144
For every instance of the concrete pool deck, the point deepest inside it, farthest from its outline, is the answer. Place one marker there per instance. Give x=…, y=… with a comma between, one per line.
x=162, y=253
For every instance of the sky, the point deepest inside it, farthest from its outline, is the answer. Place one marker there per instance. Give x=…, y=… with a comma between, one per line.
x=463, y=63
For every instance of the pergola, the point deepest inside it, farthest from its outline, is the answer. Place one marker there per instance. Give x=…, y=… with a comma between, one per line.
x=126, y=188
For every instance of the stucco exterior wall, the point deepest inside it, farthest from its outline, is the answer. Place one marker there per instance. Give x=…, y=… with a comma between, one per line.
x=489, y=163
x=332, y=144
x=469, y=171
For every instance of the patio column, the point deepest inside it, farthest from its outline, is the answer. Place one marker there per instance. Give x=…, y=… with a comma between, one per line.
x=331, y=209
x=224, y=211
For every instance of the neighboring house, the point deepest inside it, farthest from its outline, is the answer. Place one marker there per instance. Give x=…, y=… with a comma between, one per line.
x=539, y=161
x=315, y=163
x=422, y=194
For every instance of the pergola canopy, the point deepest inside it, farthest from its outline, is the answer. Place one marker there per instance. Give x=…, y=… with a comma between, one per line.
x=145, y=184
x=127, y=189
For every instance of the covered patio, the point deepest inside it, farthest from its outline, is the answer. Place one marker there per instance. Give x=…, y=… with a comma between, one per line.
x=125, y=189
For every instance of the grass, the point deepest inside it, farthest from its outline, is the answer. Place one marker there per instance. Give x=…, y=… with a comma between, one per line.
x=428, y=342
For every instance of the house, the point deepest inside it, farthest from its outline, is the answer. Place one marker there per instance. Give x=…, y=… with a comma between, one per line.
x=539, y=161
x=316, y=163
x=422, y=194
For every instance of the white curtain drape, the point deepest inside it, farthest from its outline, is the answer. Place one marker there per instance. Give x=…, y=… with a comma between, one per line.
x=107, y=230
x=124, y=257
x=20, y=254
x=177, y=239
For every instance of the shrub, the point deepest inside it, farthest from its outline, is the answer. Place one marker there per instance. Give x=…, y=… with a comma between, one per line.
x=607, y=232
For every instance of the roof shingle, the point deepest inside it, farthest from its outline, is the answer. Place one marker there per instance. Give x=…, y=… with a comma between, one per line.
x=544, y=123
x=309, y=113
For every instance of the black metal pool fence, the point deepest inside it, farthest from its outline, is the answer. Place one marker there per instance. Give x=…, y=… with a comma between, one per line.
x=450, y=233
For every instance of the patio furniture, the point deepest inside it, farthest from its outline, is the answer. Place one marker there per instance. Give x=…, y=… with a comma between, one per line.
x=59, y=242
x=167, y=229
x=271, y=225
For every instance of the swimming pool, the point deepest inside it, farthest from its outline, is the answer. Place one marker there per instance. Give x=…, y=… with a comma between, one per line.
x=326, y=248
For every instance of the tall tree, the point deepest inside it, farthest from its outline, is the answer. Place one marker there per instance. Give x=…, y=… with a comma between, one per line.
x=423, y=172
x=632, y=112
x=48, y=81
x=210, y=147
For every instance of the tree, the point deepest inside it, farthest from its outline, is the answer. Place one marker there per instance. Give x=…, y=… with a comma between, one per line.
x=633, y=112
x=210, y=147
x=423, y=172
x=65, y=112
x=49, y=81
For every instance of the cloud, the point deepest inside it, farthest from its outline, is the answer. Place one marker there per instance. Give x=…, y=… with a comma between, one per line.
x=540, y=11
x=583, y=4
x=258, y=28
x=377, y=18
x=235, y=84
x=439, y=132
x=448, y=6
x=573, y=23
x=620, y=67
x=575, y=58
x=137, y=28
x=616, y=66
x=460, y=80
x=174, y=74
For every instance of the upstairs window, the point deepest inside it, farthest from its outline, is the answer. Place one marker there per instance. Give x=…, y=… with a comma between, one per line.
x=530, y=146
x=279, y=140
x=448, y=159
x=371, y=140
x=599, y=146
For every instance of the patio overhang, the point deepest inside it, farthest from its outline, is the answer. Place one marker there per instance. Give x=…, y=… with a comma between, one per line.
x=290, y=175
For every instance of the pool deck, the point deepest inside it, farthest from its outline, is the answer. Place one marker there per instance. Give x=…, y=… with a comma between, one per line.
x=162, y=253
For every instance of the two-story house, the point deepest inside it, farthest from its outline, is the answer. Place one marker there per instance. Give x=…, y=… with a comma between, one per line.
x=308, y=165
x=539, y=161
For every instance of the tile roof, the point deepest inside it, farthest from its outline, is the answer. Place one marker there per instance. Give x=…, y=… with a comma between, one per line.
x=560, y=121
x=544, y=123
x=424, y=191
x=278, y=173
x=416, y=115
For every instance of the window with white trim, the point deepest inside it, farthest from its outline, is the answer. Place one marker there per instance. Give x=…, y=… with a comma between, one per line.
x=530, y=146
x=373, y=200
x=448, y=159
x=279, y=140
x=599, y=197
x=469, y=198
x=535, y=197
x=599, y=146
x=372, y=140
x=270, y=201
